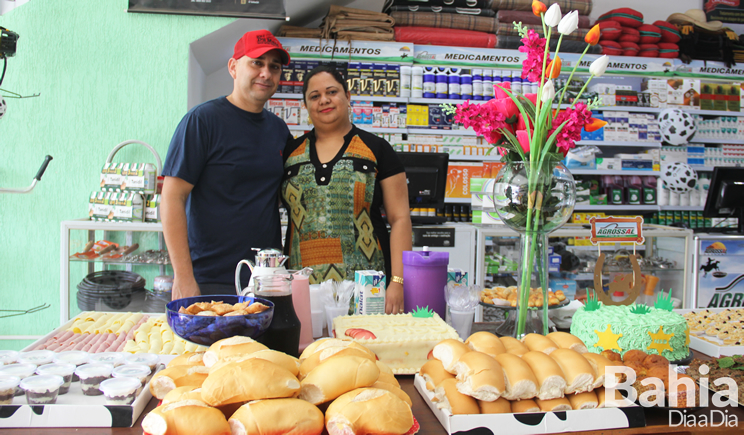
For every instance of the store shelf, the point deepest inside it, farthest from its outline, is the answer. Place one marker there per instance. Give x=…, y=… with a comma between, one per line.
x=439, y=101
x=629, y=109
x=457, y=200
x=584, y=207
x=700, y=168
x=459, y=157
x=612, y=172
x=85, y=224
x=424, y=130
x=606, y=246
x=282, y=96
x=682, y=207
x=383, y=99
x=115, y=262
x=601, y=143
x=721, y=141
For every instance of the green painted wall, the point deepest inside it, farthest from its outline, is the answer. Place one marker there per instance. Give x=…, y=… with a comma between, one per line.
x=104, y=76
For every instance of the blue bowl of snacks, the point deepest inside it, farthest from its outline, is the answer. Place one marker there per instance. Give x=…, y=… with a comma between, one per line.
x=207, y=319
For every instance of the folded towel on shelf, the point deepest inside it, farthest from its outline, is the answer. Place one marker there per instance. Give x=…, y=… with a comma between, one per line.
x=445, y=10
x=298, y=32
x=447, y=21
x=527, y=17
x=358, y=24
x=464, y=4
x=583, y=6
x=567, y=45
x=446, y=37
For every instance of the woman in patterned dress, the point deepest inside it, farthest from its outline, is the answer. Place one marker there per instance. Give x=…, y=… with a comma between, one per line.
x=336, y=179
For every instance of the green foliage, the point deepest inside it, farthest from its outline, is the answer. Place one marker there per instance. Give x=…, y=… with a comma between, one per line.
x=422, y=312
x=592, y=304
x=449, y=109
x=640, y=309
x=664, y=302
x=521, y=29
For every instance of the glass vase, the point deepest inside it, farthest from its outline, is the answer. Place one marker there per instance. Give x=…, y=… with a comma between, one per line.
x=534, y=199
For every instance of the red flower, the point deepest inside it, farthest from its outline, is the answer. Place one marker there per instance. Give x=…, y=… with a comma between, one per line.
x=524, y=140
x=538, y=7
x=592, y=36
x=577, y=118
x=534, y=46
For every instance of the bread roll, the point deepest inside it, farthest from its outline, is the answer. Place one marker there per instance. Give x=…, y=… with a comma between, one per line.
x=586, y=400
x=480, y=376
x=527, y=405
x=384, y=368
x=448, y=352
x=325, y=343
x=634, y=356
x=550, y=380
x=177, y=376
x=578, y=373
x=402, y=395
x=498, y=406
x=279, y=358
x=387, y=377
x=514, y=346
x=230, y=346
x=486, y=342
x=519, y=380
x=368, y=411
x=337, y=376
x=450, y=399
x=433, y=373
x=564, y=340
x=605, y=401
x=539, y=343
x=187, y=417
x=252, y=379
x=187, y=359
x=557, y=404
x=182, y=393
x=314, y=360
x=277, y=416
x=599, y=363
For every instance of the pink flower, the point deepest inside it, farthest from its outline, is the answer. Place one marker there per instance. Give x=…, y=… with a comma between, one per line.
x=485, y=119
x=531, y=97
x=534, y=46
x=524, y=140
x=498, y=89
x=571, y=132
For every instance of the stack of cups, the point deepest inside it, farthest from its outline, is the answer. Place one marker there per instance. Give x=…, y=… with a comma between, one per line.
x=316, y=310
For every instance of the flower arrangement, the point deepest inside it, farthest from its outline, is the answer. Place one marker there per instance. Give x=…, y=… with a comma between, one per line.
x=526, y=129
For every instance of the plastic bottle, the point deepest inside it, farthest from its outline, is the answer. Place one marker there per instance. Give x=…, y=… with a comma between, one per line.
x=705, y=186
x=614, y=189
x=649, y=190
x=405, y=81
x=453, y=89
x=477, y=84
x=429, y=82
x=301, y=302
x=466, y=85
x=634, y=188
x=487, y=84
x=442, y=86
x=516, y=84
x=417, y=82
x=662, y=194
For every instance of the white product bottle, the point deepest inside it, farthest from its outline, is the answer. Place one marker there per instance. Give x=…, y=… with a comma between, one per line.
x=684, y=198
x=477, y=84
x=405, y=81
x=662, y=193
x=704, y=183
x=487, y=84
x=694, y=197
x=417, y=82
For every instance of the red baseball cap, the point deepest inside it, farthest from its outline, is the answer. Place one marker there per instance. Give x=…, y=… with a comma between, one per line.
x=257, y=42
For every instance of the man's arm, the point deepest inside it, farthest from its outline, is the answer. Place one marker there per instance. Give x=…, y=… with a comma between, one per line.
x=173, y=215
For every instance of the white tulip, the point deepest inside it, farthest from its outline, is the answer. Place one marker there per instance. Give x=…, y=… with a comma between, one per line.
x=569, y=23
x=599, y=66
x=553, y=15
x=548, y=92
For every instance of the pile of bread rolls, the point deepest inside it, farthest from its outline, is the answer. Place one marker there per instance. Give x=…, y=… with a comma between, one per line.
x=492, y=375
x=239, y=386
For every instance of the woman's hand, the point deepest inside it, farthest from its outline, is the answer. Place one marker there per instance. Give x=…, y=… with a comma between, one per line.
x=394, y=298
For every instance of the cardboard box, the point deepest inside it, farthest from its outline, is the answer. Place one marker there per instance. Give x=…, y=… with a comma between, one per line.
x=537, y=423
x=292, y=112
x=276, y=107
x=458, y=178
x=139, y=177
x=608, y=163
x=127, y=206
x=152, y=209
x=369, y=292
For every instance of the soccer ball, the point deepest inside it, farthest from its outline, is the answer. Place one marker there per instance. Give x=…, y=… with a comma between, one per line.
x=3, y=107
x=679, y=177
x=677, y=127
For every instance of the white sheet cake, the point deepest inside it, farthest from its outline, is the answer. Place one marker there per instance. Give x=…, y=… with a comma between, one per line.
x=401, y=341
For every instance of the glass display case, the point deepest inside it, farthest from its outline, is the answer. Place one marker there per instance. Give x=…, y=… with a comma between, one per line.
x=134, y=276
x=666, y=255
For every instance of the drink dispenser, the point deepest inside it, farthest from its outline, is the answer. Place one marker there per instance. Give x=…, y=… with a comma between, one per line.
x=424, y=279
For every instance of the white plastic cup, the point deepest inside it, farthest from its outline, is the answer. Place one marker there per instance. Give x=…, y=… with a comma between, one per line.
x=8, y=357
x=136, y=371
x=36, y=357
x=462, y=321
x=42, y=389
x=64, y=370
x=332, y=313
x=91, y=376
x=76, y=357
x=114, y=358
x=22, y=371
x=318, y=317
x=150, y=360
x=316, y=298
x=8, y=385
x=120, y=391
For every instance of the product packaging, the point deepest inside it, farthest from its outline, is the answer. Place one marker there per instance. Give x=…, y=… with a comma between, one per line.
x=369, y=292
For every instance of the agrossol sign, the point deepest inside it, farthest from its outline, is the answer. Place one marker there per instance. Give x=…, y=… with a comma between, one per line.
x=613, y=229
x=720, y=280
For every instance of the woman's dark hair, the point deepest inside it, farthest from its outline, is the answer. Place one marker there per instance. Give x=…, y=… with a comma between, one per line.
x=324, y=69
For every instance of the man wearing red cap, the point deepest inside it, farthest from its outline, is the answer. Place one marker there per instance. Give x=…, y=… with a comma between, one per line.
x=222, y=174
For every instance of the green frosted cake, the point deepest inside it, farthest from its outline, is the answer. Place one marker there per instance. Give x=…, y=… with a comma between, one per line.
x=622, y=328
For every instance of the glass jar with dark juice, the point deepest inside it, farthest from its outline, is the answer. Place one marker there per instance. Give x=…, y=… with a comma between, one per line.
x=284, y=332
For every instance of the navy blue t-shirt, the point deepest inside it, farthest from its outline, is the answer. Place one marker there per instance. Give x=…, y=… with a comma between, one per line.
x=234, y=160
